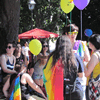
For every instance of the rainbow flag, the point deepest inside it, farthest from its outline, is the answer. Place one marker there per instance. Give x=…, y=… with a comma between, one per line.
x=79, y=46
x=53, y=80
x=15, y=91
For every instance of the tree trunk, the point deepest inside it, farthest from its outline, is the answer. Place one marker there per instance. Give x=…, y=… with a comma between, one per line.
x=10, y=13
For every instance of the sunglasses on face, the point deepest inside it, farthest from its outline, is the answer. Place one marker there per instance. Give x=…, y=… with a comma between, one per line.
x=45, y=46
x=71, y=33
x=9, y=47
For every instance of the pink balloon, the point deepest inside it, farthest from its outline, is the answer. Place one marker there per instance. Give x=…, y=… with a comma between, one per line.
x=81, y=4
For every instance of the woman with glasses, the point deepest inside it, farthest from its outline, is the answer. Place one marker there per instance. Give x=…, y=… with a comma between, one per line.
x=8, y=61
x=80, y=49
x=41, y=61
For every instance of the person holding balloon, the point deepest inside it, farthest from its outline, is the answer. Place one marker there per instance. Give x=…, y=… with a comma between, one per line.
x=40, y=63
x=79, y=48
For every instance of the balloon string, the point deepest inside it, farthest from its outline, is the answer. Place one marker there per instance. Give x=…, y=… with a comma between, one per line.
x=70, y=20
x=81, y=22
x=66, y=19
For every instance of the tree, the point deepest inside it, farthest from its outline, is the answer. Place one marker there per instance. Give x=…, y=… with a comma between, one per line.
x=49, y=16
x=9, y=21
x=46, y=16
x=9, y=17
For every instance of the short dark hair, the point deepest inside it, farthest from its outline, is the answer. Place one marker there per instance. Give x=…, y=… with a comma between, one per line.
x=70, y=27
x=95, y=40
x=12, y=42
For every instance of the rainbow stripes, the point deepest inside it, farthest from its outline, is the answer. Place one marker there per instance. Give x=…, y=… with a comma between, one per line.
x=15, y=89
x=53, y=80
x=79, y=46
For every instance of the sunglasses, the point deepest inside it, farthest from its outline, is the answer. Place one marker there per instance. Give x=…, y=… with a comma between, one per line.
x=71, y=33
x=45, y=46
x=9, y=47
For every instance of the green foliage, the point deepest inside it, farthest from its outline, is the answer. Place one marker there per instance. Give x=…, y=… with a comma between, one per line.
x=49, y=16
x=46, y=15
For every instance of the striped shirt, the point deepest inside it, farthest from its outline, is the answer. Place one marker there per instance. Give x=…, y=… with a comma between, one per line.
x=9, y=66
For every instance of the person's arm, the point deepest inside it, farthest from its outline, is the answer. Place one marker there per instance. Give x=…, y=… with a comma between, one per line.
x=4, y=67
x=14, y=61
x=33, y=85
x=25, y=60
x=86, y=54
x=5, y=87
x=40, y=56
x=92, y=63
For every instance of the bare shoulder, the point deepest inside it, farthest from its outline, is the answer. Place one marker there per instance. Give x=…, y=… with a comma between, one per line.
x=94, y=56
x=3, y=56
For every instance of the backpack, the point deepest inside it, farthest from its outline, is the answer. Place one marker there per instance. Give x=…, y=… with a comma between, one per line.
x=70, y=82
x=69, y=86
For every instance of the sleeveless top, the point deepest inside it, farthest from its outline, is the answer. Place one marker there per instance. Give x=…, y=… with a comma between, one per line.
x=38, y=67
x=96, y=70
x=24, y=87
x=9, y=66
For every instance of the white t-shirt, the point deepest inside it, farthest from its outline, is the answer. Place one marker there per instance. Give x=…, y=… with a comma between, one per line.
x=25, y=50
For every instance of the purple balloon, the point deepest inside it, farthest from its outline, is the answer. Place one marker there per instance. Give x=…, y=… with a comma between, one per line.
x=81, y=4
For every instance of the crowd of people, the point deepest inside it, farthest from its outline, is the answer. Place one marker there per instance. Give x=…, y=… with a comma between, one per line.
x=60, y=75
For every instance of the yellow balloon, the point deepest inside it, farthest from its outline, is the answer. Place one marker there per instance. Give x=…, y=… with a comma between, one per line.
x=67, y=5
x=35, y=46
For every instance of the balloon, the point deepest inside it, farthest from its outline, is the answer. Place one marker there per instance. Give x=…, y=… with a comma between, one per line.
x=88, y=32
x=35, y=46
x=71, y=0
x=81, y=4
x=67, y=5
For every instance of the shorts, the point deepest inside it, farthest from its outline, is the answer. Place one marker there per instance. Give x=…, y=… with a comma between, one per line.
x=37, y=76
x=27, y=58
